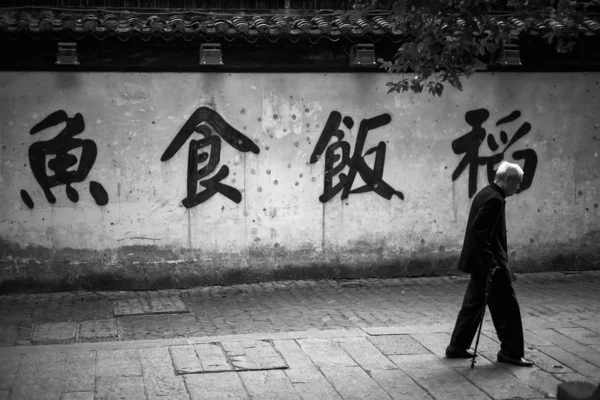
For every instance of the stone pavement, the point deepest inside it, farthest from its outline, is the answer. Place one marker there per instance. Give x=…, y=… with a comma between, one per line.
x=363, y=339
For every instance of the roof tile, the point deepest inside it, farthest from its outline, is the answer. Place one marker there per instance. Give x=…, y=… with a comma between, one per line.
x=192, y=23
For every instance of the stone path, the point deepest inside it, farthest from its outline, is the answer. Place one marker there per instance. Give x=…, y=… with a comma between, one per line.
x=367, y=339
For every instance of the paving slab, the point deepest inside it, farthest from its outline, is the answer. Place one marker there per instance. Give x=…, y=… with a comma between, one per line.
x=185, y=360
x=120, y=387
x=8, y=335
x=531, y=338
x=538, y=379
x=12, y=335
x=98, y=329
x=398, y=385
x=307, y=380
x=547, y=363
x=39, y=376
x=581, y=335
x=80, y=372
x=574, y=377
x=326, y=353
x=366, y=355
x=434, y=342
x=555, y=321
x=253, y=355
x=592, y=325
x=570, y=345
x=353, y=383
x=160, y=381
x=77, y=396
x=496, y=381
x=488, y=343
x=305, y=377
x=439, y=379
x=157, y=326
x=305, y=334
x=571, y=360
x=148, y=305
x=212, y=357
x=268, y=385
x=8, y=371
x=408, y=329
x=54, y=332
x=303, y=305
x=123, y=362
x=156, y=361
x=397, y=344
x=564, y=312
x=215, y=386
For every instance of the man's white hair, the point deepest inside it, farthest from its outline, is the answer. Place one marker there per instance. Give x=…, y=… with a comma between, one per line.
x=508, y=171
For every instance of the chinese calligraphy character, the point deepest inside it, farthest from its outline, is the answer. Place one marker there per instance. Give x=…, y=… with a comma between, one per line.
x=373, y=177
x=60, y=147
x=204, y=121
x=469, y=145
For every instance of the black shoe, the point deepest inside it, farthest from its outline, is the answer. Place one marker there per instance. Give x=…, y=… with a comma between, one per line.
x=521, y=362
x=455, y=352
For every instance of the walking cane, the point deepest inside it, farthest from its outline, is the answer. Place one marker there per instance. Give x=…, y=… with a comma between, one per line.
x=487, y=291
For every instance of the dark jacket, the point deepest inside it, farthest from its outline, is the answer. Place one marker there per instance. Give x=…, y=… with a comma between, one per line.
x=485, y=237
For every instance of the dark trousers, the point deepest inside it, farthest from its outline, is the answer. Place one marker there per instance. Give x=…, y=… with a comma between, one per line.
x=504, y=309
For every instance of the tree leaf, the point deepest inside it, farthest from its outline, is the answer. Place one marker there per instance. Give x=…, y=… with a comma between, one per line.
x=436, y=41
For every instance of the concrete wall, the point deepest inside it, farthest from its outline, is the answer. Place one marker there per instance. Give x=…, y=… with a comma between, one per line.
x=125, y=209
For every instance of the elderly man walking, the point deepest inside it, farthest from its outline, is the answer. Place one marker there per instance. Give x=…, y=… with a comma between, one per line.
x=485, y=247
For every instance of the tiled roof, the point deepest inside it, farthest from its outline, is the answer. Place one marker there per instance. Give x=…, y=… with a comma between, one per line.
x=189, y=24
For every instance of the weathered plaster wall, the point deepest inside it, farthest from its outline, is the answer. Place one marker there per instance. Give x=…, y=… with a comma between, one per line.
x=129, y=228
